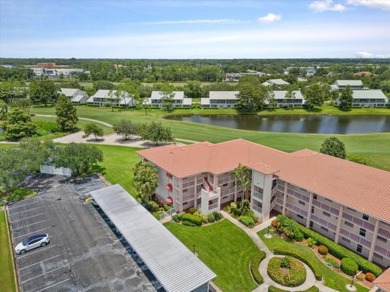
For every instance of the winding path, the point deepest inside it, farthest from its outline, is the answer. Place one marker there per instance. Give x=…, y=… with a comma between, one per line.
x=84, y=119
x=252, y=233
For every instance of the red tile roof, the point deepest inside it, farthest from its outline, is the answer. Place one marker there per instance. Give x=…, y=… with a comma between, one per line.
x=383, y=281
x=357, y=186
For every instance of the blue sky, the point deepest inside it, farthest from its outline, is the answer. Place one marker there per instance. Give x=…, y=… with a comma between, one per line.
x=195, y=28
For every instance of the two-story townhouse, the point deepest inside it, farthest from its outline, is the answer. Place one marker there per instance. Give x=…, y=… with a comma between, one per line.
x=369, y=98
x=75, y=95
x=220, y=99
x=343, y=84
x=105, y=97
x=156, y=100
x=296, y=101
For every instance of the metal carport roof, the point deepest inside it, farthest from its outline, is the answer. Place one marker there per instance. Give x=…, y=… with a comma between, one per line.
x=174, y=266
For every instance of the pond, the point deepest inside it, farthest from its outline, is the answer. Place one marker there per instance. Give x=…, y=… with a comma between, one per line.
x=320, y=124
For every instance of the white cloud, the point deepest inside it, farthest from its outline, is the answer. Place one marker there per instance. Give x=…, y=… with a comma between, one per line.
x=270, y=17
x=381, y=4
x=193, y=21
x=326, y=5
x=364, y=54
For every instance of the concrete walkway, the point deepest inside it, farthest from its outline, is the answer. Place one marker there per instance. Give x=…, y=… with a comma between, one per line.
x=252, y=233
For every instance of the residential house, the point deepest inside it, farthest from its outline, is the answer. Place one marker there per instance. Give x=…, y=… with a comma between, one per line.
x=297, y=101
x=104, y=97
x=276, y=82
x=345, y=201
x=75, y=95
x=220, y=99
x=343, y=84
x=156, y=99
x=369, y=98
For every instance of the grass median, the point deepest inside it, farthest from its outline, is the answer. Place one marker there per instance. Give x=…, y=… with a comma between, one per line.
x=7, y=275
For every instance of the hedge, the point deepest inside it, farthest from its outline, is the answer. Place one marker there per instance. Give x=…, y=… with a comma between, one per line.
x=349, y=266
x=211, y=218
x=341, y=252
x=192, y=218
x=254, y=266
x=247, y=221
x=188, y=223
x=317, y=272
x=274, y=289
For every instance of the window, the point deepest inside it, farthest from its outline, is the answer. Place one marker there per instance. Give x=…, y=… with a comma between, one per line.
x=302, y=202
x=328, y=200
x=348, y=223
x=380, y=238
x=359, y=248
x=186, y=190
x=378, y=256
x=299, y=216
x=311, y=224
x=314, y=197
x=312, y=209
x=350, y=209
x=224, y=185
x=362, y=232
x=345, y=239
x=325, y=229
x=366, y=217
x=326, y=213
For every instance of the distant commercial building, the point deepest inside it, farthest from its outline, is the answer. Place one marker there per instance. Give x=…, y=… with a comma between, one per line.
x=104, y=97
x=235, y=77
x=344, y=201
x=75, y=95
x=52, y=70
x=156, y=99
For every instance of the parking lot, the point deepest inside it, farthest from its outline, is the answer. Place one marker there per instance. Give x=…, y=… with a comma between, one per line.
x=83, y=254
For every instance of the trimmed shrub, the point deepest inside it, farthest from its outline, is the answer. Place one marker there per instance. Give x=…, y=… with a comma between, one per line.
x=295, y=276
x=341, y=252
x=192, y=218
x=254, y=266
x=226, y=209
x=205, y=219
x=211, y=218
x=153, y=206
x=361, y=278
x=274, y=289
x=331, y=262
x=316, y=270
x=192, y=210
x=233, y=205
x=322, y=249
x=349, y=266
x=167, y=207
x=218, y=216
x=370, y=277
x=275, y=224
x=181, y=215
x=310, y=242
x=188, y=223
x=247, y=221
x=298, y=236
x=175, y=217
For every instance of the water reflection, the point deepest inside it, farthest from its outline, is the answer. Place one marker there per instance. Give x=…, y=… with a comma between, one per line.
x=320, y=124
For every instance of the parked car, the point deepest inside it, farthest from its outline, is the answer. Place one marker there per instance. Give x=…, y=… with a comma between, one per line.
x=32, y=242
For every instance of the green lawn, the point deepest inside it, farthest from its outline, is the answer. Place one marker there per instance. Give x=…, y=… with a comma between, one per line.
x=118, y=163
x=224, y=248
x=332, y=279
x=374, y=147
x=7, y=275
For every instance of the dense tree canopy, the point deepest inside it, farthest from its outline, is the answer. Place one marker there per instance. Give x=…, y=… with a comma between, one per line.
x=155, y=132
x=316, y=94
x=93, y=129
x=43, y=91
x=334, y=147
x=126, y=128
x=345, y=99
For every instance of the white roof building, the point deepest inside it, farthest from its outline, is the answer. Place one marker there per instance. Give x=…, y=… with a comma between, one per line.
x=75, y=95
x=179, y=100
x=105, y=97
x=278, y=82
x=174, y=266
x=220, y=99
x=353, y=84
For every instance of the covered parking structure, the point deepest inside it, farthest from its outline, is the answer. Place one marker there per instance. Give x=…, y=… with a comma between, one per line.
x=174, y=266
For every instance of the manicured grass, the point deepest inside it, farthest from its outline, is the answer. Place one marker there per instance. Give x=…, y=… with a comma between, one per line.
x=331, y=278
x=374, y=147
x=224, y=248
x=118, y=163
x=7, y=275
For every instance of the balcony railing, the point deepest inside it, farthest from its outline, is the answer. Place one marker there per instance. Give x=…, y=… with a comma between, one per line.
x=213, y=206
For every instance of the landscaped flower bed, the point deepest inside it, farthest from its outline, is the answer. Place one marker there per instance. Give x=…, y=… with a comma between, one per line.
x=287, y=271
x=242, y=212
x=196, y=218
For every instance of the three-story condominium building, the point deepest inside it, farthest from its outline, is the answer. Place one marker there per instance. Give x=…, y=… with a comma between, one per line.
x=345, y=201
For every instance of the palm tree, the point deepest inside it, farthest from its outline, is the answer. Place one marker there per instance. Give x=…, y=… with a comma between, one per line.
x=145, y=179
x=243, y=178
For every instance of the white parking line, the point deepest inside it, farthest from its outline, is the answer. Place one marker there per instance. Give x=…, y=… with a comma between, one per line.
x=24, y=218
x=29, y=266
x=40, y=275
x=32, y=252
x=33, y=232
x=24, y=211
x=32, y=223
x=26, y=203
x=43, y=289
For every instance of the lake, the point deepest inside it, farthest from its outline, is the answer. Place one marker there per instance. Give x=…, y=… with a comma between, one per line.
x=320, y=124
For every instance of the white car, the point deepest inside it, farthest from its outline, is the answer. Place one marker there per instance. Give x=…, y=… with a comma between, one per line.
x=32, y=242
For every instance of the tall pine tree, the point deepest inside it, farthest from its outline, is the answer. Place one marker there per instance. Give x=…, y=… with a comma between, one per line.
x=66, y=114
